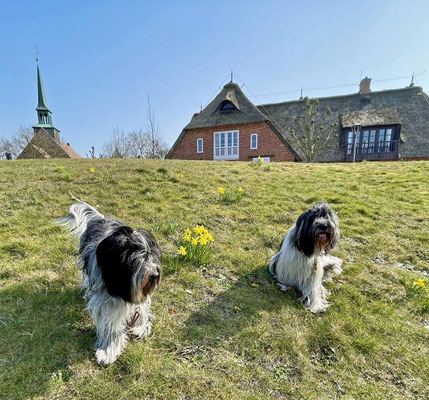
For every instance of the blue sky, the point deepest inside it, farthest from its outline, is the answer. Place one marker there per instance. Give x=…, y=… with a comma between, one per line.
x=98, y=58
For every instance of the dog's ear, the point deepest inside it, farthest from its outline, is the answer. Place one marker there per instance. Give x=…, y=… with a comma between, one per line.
x=112, y=256
x=303, y=239
x=151, y=242
x=336, y=236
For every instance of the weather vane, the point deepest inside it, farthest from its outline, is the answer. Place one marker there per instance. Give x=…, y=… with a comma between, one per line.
x=37, y=53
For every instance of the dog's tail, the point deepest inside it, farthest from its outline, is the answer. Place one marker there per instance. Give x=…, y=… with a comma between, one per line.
x=78, y=218
x=273, y=264
x=274, y=259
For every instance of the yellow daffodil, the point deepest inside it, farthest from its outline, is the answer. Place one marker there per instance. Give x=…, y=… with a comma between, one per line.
x=92, y=170
x=180, y=175
x=194, y=242
x=187, y=238
x=203, y=240
x=187, y=232
x=209, y=237
x=199, y=229
x=236, y=308
x=419, y=282
x=239, y=190
x=221, y=190
x=182, y=251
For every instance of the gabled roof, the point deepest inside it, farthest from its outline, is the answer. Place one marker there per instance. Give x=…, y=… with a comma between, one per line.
x=71, y=153
x=42, y=145
x=388, y=107
x=245, y=111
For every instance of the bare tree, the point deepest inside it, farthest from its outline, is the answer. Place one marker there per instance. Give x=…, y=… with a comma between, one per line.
x=313, y=137
x=120, y=141
x=17, y=142
x=157, y=147
x=140, y=143
x=91, y=153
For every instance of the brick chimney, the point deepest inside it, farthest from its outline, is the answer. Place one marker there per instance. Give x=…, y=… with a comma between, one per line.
x=365, y=86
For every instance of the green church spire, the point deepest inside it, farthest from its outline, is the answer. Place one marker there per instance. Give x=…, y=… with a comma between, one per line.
x=44, y=114
x=42, y=104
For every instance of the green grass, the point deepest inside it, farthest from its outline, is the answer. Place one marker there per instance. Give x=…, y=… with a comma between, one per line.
x=223, y=330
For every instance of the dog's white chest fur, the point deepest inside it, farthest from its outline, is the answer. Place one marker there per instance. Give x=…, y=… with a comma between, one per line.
x=291, y=268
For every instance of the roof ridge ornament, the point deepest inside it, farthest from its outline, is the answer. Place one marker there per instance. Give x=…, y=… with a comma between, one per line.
x=37, y=54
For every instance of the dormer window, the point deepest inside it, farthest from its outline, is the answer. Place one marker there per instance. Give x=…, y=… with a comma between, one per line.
x=226, y=105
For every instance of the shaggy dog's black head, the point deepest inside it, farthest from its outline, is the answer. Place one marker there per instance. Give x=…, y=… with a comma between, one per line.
x=317, y=229
x=129, y=263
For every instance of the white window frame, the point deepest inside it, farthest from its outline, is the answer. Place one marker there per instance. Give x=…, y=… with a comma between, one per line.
x=202, y=145
x=226, y=152
x=251, y=141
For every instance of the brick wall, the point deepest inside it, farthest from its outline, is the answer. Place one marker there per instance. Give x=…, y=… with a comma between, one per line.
x=269, y=145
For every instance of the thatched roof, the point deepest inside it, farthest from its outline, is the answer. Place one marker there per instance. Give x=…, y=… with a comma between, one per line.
x=384, y=116
x=405, y=107
x=211, y=115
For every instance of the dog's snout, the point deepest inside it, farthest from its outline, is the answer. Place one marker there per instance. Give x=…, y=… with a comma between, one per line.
x=323, y=227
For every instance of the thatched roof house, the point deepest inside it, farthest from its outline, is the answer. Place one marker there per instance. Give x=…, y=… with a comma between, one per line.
x=394, y=125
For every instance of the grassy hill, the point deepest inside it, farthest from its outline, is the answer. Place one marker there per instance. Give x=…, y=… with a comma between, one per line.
x=223, y=330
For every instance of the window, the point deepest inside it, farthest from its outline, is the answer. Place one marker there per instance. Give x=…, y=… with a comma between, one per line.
x=226, y=105
x=200, y=145
x=226, y=145
x=350, y=142
x=254, y=141
x=372, y=140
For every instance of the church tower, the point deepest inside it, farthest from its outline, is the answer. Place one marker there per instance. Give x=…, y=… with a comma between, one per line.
x=46, y=141
x=44, y=114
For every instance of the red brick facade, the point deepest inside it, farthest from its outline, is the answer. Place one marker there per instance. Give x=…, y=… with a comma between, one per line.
x=269, y=144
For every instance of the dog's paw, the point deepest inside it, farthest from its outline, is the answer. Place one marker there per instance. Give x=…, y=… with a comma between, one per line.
x=319, y=307
x=284, y=286
x=332, y=268
x=105, y=358
x=142, y=332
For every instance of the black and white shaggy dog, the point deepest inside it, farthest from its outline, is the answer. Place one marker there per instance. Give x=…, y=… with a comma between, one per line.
x=121, y=270
x=304, y=260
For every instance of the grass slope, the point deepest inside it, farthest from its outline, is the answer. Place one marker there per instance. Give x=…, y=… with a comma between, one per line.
x=224, y=330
